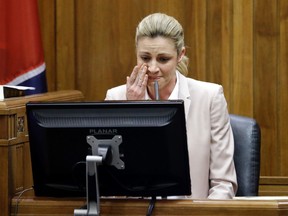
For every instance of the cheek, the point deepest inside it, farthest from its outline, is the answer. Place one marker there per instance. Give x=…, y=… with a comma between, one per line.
x=168, y=69
x=139, y=61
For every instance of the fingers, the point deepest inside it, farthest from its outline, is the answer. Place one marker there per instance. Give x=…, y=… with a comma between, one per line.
x=131, y=79
x=136, y=83
x=138, y=76
x=142, y=82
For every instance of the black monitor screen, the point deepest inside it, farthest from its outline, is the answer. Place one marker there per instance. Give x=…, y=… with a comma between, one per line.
x=148, y=156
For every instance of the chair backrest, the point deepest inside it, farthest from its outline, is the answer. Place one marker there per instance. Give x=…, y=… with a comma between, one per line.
x=247, y=138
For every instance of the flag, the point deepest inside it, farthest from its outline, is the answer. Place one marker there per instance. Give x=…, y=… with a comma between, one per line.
x=21, y=52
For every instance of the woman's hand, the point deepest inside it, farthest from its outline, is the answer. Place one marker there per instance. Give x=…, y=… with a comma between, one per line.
x=136, y=83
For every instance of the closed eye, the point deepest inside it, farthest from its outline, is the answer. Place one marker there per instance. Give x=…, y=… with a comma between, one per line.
x=145, y=58
x=163, y=60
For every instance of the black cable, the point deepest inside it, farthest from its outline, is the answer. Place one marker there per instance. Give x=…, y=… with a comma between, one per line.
x=18, y=199
x=151, y=206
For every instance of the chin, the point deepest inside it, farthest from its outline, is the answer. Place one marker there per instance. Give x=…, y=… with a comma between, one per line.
x=151, y=83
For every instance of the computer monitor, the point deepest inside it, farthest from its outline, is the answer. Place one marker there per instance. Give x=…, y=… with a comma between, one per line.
x=146, y=140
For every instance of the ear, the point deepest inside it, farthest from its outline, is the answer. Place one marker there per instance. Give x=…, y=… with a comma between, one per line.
x=181, y=54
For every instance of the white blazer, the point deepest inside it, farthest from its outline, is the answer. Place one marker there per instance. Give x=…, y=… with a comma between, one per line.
x=210, y=138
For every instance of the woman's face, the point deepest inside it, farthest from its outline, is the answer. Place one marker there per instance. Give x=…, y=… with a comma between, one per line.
x=160, y=56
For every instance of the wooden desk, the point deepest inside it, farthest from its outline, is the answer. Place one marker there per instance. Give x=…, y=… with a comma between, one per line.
x=15, y=163
x=29, y=206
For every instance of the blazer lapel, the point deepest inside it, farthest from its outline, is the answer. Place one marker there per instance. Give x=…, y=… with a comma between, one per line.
x=184, y=93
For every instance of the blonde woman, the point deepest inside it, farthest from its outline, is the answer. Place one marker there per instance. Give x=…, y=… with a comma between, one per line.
x=160, y=51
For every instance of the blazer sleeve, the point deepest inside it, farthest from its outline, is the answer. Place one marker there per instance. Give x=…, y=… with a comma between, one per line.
x=223, y=180
x=116, y=93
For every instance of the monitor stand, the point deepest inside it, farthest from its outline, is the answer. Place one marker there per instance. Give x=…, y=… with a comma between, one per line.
x=101, y=153
x=92, y=188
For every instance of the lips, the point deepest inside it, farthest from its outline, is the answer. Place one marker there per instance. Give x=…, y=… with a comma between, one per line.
x=153, y=78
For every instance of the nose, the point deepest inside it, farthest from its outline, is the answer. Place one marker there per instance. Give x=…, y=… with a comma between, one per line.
x=153, y=67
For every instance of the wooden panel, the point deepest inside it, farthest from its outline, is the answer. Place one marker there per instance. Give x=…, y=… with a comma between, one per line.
x=265, y=82
x=5, y=194
x=273, y=186
x=219, y=43
x=282, y=88
x=242, y=59
x=17, y=168
x=195, y=38
x=226, y=46
x=213, y=41
x=103, y=42
x=65, y=40
x=47, y=11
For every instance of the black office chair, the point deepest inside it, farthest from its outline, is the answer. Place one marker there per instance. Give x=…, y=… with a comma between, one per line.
x=247, y=138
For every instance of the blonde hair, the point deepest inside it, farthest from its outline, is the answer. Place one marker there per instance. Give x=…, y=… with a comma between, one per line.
x=159, y=24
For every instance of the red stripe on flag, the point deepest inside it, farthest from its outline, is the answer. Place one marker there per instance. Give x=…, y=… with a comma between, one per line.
x=20, y=44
